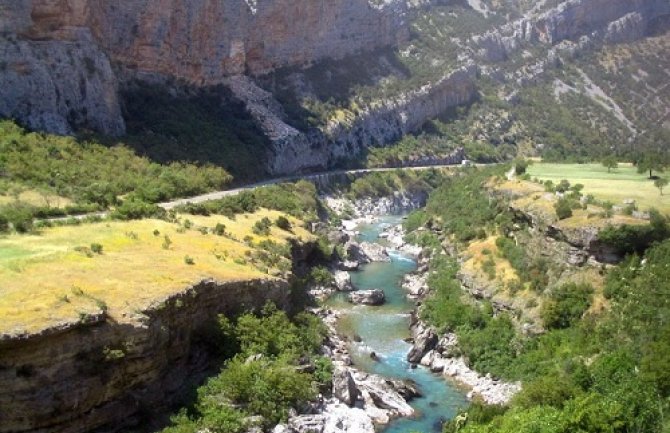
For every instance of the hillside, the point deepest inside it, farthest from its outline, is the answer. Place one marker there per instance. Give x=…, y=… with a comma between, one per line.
x=350, y=77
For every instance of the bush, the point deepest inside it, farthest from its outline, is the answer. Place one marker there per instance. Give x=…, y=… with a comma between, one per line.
x=19, y=215
x=563, y=208
x=283, y=223
x=219, y=229
x=189, y=260
x=262, y=227
x=628, y=239
x=133, y=209
x=520, y=166
x=96, y=248
x=566, y=304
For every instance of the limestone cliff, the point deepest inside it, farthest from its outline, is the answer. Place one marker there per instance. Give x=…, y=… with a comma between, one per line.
x=102, y=374
x=55, y=71
x=62, y=62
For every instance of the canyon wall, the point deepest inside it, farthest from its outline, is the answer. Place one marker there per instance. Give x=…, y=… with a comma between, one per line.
x=296, y=150
x=62, y=62
x=55, y=54
x=107, y=375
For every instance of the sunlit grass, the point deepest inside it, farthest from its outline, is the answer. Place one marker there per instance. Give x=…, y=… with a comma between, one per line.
x=616, y=186
x=42, y=276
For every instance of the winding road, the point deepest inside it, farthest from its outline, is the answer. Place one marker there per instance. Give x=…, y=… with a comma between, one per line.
x=231, y=192
x=313, y=176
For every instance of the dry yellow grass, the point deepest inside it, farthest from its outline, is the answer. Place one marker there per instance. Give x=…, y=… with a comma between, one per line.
x=42, y=276
x=479, y=252
x=35, y=198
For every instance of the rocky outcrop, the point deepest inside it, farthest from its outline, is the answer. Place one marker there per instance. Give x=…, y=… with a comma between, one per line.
x=602, y=20
x=384, y=123
x=375, y=400
x=368, y=297
x=367, y=252
x=344, y=386
x=343, y=281
x=424, y=339
x=104, y=374
x=445, y=359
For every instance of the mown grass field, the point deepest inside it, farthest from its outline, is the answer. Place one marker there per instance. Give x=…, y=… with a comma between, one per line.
x=45, y=281
x=616, y=186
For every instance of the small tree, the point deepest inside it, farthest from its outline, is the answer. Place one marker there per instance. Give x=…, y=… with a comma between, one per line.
x=520, y=166
x=610, y=163
x=661, y=183
x=563, y=209
x=651, y=162
x=283, y=223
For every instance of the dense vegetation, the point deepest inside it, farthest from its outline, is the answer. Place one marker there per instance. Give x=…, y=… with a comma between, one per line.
x=590, y=370
x=273, y=366
x=588, y=374
x=298, y=199
x=92, y=176
x=384, y=184
x=463, y=207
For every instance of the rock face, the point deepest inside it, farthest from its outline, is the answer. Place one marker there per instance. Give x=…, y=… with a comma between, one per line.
x=103, y=375
x=56, y=54
x=388, y=121
x=368, y=297
x=606, y=20
x=63, y=61
x=344, y=386
x=425, y=340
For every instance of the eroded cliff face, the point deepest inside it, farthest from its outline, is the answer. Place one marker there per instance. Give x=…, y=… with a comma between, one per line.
x=55, y=72
x=62, y=62
x=102, y=374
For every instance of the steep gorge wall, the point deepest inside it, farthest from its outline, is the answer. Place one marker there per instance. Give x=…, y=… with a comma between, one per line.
x=318, y=149
x=62, y=62
x=107, y=375
x=56, y=54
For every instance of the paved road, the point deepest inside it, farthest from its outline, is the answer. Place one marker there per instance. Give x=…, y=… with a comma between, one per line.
x=230, y=192
x=220, y=194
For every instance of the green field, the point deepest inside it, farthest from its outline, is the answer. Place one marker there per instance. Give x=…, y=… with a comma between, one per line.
x=620, y=184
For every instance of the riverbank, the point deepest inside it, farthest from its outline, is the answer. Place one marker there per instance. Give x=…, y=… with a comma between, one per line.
x=356, y=350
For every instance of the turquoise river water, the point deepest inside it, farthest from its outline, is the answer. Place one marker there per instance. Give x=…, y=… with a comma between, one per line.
x=383, y=330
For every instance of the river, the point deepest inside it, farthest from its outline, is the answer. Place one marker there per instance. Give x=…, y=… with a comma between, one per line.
x=384, y=330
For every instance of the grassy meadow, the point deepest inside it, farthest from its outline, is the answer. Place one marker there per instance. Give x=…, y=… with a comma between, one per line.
x=53, y=278
x=616, y=186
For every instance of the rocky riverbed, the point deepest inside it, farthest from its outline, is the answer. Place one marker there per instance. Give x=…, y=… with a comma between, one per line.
x=362, y=401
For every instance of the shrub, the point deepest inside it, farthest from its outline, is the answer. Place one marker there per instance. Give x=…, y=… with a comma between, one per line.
x=189, y=260
x=262, y=227
x=219, y=229
x=132, y=209
x=19, y=215
x=520, y=166
x=563, y=208
x=321, y=276
x=96, y=248
x=283, y=223
x=566, y=304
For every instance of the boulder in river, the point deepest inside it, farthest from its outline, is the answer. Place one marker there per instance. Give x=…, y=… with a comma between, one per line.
x=368, y=297
x=425, y=340
x=367, y=252
x=348, y=265
x=343, y=281
x=344, y=387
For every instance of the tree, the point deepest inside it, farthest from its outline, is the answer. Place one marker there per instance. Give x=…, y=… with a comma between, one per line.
x=610, y=162
x=563, y=208
x=520, y=166
x=661, y=183
x=651, y=161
